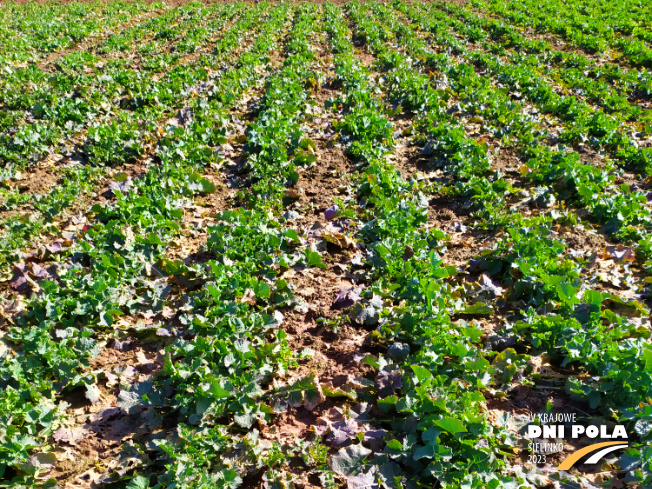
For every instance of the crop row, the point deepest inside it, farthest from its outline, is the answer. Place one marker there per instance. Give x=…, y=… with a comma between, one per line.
x=109, y=113
x=530, y=262
x=436, y=431
x=123, y=136
x=592, y=33
x=622, y=209
x=614, y=88
x=582, y=122
x=28, y=31
x=102, y=275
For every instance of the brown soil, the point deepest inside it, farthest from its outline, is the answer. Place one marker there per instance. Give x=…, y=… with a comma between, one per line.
x=337, y=349
x=325, y=179
x=366, y=59
x=198, y=218
x=507, y=161
x=410, y=162
x=323, y=94
x=38, y=180
x=335, y=352
x=583, y=240
x=35, y=180
x=464, y=246
x=98, y=430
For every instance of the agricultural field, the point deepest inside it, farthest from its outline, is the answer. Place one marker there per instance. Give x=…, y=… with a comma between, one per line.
x=359, y=244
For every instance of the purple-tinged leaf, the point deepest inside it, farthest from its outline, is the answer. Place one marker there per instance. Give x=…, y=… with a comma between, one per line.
x=331, y=213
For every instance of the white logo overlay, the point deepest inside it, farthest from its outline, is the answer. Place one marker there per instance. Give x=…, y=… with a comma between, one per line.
x=547, y=429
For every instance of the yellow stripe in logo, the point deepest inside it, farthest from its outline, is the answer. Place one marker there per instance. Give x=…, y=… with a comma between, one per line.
x=571, y=459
